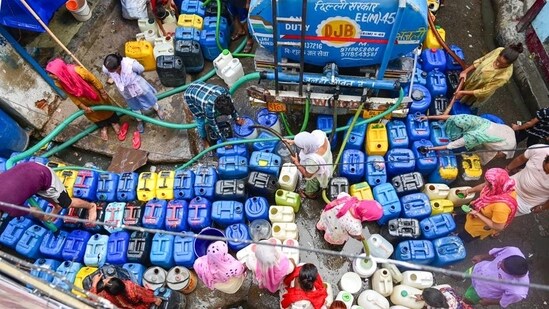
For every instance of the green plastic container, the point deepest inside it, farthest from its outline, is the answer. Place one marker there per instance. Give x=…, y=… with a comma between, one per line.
x=287, y=198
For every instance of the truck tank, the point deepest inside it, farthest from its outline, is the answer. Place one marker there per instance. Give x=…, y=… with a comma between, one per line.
x=349, y=33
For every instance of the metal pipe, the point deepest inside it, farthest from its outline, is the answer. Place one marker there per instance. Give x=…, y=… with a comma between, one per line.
x=346, y=81
x=28, y=58
x=274, y=13
x=302, y=37
x=392, y=39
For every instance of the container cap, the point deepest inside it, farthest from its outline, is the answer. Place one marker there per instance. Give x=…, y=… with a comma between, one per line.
x=418, y=95
x=260, y=229
x=403, y=293
x=245, y=129
x=225, y=52
x=266, y=118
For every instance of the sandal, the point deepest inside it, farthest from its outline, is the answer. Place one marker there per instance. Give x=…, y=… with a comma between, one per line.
x=136, y=140
x=237, y=36
x=123, y=131
x=249, y=46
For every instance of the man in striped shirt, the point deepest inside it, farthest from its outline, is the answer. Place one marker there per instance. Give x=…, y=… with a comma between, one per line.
x=535, y=130
x=207, y=102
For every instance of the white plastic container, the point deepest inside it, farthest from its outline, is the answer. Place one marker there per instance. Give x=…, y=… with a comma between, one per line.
x=283, y=231
x=221, y=61
x=289, y=177
x=404, y=295
x=418, y=279
x=350, y=282
x=346, y=297
x=292, y=254
x=364, y=268
x=283, y=214
x=154, y=277
x=457, y=200
x=371, y=299
x=163, y=47
x=232, y=72
x=243, y=254
x=379, y=246
x=357, y=307
x=82, y=13
x=382, y=282
x=330, y=292
x=148, y=36
x=396, y=275
x=436, y=191
x=147, y=24
x=398, y=307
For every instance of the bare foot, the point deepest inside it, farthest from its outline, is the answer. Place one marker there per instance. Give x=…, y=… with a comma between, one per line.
x=104, y=135
x=92, y=215
x=116, y=128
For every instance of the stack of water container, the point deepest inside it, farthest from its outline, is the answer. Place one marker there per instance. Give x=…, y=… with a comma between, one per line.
x=251, y=195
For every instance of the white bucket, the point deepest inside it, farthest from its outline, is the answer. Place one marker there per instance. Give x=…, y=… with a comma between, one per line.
x=222, y=61
x=346, y=297
x=364, y=268
x=232, y=72
x=350, y=282
x=82, y=13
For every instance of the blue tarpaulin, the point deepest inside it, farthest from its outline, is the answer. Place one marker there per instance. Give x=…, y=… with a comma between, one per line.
x=14, y=14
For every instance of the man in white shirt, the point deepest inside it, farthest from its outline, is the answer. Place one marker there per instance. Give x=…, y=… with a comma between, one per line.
x=532, y=182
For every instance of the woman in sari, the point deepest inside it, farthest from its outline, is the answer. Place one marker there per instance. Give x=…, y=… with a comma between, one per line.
x=474, y=132
x=488, y=74
x=304, y=289
x=85, y=91
x=314, y=162
x=220, y=270
x=494, y=210
x=270, y=266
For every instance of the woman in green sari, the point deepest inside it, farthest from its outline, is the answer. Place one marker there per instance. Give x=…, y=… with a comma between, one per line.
x=475, y=133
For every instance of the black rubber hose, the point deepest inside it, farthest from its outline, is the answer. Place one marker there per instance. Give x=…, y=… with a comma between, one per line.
x=257, y=126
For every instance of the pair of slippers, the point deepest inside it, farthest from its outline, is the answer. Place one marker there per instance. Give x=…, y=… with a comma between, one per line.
x=249, y=43
x=136, y=139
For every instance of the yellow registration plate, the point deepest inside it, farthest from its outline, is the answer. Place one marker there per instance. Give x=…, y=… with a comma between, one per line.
x=276, y=107
x=371, y=113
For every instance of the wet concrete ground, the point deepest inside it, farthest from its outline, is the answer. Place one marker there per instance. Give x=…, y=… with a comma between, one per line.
x=467, y=24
